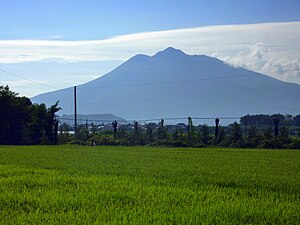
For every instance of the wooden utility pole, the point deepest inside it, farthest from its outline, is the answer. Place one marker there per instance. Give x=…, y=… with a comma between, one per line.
x=75, y=112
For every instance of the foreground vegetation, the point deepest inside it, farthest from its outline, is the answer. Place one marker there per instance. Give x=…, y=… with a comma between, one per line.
x=140, y=185
x=201, y=136
x=22, y=122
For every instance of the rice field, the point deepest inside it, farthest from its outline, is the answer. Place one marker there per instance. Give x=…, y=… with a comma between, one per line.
x=148, y=185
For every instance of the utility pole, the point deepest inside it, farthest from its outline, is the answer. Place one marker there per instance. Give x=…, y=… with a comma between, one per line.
x=75, y=112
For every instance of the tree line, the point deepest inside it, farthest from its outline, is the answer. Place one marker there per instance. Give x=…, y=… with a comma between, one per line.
x=24, y=123
x=267, y=120
x=234, y=136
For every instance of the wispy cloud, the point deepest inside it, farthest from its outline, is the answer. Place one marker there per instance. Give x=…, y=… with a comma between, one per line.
x=271, y=48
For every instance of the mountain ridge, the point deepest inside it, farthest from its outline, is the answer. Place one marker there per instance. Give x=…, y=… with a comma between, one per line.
x=172, y=83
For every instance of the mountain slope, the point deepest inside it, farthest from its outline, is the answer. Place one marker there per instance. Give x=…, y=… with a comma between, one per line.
x=173, y=84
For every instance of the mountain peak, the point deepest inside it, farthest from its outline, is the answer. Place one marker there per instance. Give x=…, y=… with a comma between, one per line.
x=138, y=58
x=170, y=51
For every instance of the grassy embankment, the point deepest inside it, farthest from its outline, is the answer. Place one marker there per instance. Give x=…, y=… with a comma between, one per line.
x=139, y=185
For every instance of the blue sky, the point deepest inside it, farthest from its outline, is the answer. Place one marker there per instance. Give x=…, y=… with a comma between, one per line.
x=96, y=19
x=62, y=43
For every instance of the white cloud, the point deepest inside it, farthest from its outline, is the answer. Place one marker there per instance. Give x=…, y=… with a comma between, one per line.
x=265, y=60
x=270, y=48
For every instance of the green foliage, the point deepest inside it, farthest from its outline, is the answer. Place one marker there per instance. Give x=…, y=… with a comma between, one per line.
x=83, y=135
x=150, y=132
x=64, y=136
x=161, y=131
x=236, y=135
x=139, y=185
x=295, y=143
x=259, y=119
x=25, y=123
x=14, y=116
x=253, y=138
x=136, y=137
x=42, y=123
x=191, y=130
x=221, y=139
x=262, y=119
x=296, y=120
x=204, y=135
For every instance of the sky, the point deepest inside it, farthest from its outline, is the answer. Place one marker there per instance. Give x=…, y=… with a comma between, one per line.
x=64, y=43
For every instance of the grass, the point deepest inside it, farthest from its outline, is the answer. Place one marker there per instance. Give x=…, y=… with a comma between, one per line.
x=140, y=185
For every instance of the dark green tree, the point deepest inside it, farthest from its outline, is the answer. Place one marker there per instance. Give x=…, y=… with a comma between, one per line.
x=162, y=130
x=14, y=117
x=236, y=135
x=64, y=136
x=22, y=122
x=253, y=138
x=204, y=135
x=150, y=132
x=42, y=124
x=136, y=138
x=284, y=136
x=221, y=137
x=296, y=120
x=191, y=132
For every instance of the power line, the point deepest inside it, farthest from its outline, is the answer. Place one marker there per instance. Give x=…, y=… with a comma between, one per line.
x=23, y=78
x=165, y=82
x=126, y=85
x=148, y=120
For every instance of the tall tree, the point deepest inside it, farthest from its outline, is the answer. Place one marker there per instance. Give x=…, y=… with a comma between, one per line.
x=22, y=122
x=14, y=117
x=162, y=130
x=217, y=121
x=191, y=130
x=204, y=134
x=236, y=134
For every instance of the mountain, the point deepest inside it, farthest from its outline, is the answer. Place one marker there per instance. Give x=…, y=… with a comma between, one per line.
x=174, y=84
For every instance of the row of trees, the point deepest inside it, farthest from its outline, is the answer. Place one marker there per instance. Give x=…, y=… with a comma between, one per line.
x=22, y=122
x=267, y=120
x=190, y=136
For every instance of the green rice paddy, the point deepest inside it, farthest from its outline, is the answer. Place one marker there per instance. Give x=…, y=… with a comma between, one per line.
x=143, y=185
